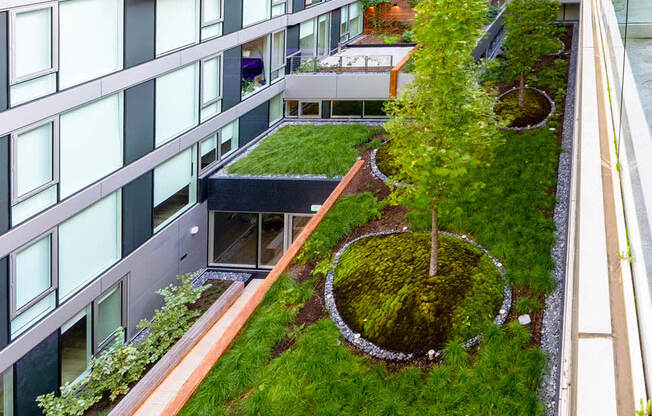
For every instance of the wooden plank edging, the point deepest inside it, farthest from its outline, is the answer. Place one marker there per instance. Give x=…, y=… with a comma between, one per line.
x=204, y=367
x=145, y=386
x=393, y=75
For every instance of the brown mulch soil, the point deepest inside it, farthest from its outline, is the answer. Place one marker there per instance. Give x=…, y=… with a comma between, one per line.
x=209, y=296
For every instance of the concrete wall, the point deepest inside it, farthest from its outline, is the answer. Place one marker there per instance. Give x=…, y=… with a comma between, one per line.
x=332, y=86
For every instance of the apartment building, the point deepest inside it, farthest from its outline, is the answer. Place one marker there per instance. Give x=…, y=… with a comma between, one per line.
x=111, y=114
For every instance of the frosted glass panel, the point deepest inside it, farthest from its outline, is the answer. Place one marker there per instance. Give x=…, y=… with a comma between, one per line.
x=89, y=243
x=90, y=143
x=33, y=205
x=212, y=10
x=211, y=80
x=32, y=89
x=254, y=11
x=90, y=39
x=33, y=271
x=33, y=34
x=109, y=315
x=177, y=97
x=172, y=176
x=210, y=110
x=177, y=24
x=33, y=159
x=275, y=109
x=32, y=315
x=211, y=31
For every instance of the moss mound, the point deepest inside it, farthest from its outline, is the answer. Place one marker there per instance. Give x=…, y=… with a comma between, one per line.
x=383, y=291
x=385, y=160
x=535, y=110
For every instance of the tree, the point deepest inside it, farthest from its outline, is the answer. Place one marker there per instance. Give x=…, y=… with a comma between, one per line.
x=529, y=31
x=442, y=124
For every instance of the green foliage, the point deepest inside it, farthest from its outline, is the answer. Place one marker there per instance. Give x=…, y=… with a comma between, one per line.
x=391, y=39
x=552, y=79
x=322, y=268
x=442, y=125
x=386, y=160
x=292, y=150
x=383, y=291
x=645, y=409
x=349, y=212
x=536, y=108
x=118, y=366
x=408, y=36
x=527, y=305
x=377, y=16
x=374, y=144
x=492, y=13
x=408, y=68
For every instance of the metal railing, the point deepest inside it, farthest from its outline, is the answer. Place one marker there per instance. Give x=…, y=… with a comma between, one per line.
x=339, y=63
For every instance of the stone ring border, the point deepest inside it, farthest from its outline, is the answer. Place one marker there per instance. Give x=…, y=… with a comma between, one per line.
x=553, y=108
x=379, y=352
x=560, y=51
x=380, y=175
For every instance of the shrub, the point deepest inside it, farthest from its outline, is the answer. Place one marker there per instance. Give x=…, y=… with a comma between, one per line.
x=391, y=39
x=527, y=305
x=408, y=36
x=351, y=211
x=115, y=368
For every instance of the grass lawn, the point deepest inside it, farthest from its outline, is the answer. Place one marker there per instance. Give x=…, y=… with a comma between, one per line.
x=306, y=149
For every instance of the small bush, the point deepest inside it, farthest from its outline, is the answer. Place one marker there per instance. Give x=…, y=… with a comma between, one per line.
x=390, y=39
x=408, y=36
x=527, y=305
x=349, y=212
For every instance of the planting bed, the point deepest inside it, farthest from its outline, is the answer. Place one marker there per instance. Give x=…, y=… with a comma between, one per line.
x=536, y=109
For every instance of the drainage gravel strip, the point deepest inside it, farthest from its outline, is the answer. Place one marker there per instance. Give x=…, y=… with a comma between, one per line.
x=551, y=331
x=379, y=352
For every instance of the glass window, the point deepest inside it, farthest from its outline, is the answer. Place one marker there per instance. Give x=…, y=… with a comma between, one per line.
x=90, y=143
x=255, y=65
x=76, y=347
x=211, y=88
x=275, y=109
x=291, y=108
x=208, y=151
x=177, y=95
x=175, y=187
x=90, y=39
x=346, y=109
x=35, y=153
x=374, y=109
x=234, y=239
x=32, y=315
x=271, y=239
x=7, y=393
x=109, y=317
x=89, y=243
x=33, y=205
x=211, y=12
x=299, y=222
x=307, y=38
x=278, y=55
x=32, y=277
x=255, y=11
x=32, y=89
x=278, y=7
x=229, y=139
x=323, y=35
x=344, y=24
x=355, y=19
x=33, y=47
x=183, y=16
x=309, y=109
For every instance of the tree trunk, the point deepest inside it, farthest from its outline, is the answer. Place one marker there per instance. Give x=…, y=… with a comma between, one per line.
x=434, y=246
x=521, y=91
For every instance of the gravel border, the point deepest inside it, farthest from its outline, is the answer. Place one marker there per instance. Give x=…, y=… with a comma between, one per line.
x=380, y=175
x=378, y=352
x=551, y=330
x=542, y=123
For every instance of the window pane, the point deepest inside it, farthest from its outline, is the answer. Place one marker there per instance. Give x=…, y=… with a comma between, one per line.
x=90, y=40
x=292, y=108
x=174, y=182
x=229, y=139
x=275, y=109
x=32, y=315
x=33, y=34
x=208, y=151
x=298, y=224
x=33, y=205
x=271, y=239
x=210, y=111
x=307, y=38
x=183, y=17
x=345, y=22
x=255, y=65
x=234, y=238
x=90, y=143
x=278, y=9
x=211, y=31
x=347, y=108
x=177, y=95
x=374, y=109
x=254, y=11
x=211, y=79
x=324, y=28
x=278, y=50
x=33, y=271
x=33, y=158
x=212, y=10
x=310, y=109
x=6, y=393
x=89, y=243
x=75, y=347
x=109, y=315
x=355, y=25
x=32, y=89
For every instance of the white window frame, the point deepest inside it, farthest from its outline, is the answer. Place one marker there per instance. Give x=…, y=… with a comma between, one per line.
x=120, y=285
x=301, y=115
x=217, y=152
x=15, y=198
x=54, y=6
x=206, y=23
x=203, y=104
x=276, y=3
x=54, y=277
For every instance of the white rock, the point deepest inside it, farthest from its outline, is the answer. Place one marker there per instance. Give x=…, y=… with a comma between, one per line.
x=356, y=336
x=524, y=319
x=502, y=312
x=431, y=354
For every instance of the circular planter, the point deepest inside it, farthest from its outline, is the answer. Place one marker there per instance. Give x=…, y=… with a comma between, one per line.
x=380, y=175
x=382, y=353
x=537, y=125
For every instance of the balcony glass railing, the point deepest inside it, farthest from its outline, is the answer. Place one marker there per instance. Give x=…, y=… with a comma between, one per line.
x=339, y=63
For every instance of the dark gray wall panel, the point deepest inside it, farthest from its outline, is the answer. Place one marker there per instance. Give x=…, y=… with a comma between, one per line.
x=137, y=212
x=4, y=302
x=336, y=16
x=4, y=59
x=267, y=194
x=35, y=374
x=139, y=121
x=232, y=16
x=4, y=184
x=253, y=123
x=292, y=43
x=298, y=5
x=231, y=77
x=325, y=109
x=140, y=31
